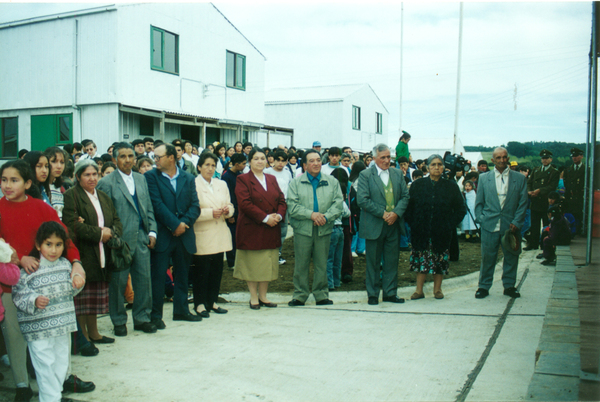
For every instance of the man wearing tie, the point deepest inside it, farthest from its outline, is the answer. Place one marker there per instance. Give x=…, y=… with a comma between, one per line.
x=129, y=193
x=383, y=198
x=500, y=205
x=176, y=208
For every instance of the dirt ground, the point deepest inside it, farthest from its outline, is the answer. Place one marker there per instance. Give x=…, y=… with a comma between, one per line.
x=469, y=261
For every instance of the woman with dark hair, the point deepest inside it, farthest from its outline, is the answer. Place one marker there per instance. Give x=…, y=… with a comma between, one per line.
x=107, y=169
x=258, y=234
x=435, y=208
x=220, y=150
x=92, y=219
x=359, y=245
x=187, y=153
x=212, y=236
x=337, y=243
x=238, y=147
x=57, y=158
x=38, y=162
x=144, y=164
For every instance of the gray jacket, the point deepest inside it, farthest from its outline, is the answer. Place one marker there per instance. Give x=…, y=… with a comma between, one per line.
x=300, y=203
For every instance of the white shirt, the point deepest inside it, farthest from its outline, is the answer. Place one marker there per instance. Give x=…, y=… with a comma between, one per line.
x=384, y=175
x=209, y=184
x=283, y=179
x=501, y=189
x=128, y=179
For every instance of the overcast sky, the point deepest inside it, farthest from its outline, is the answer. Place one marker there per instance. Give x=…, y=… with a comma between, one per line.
x=524, y=65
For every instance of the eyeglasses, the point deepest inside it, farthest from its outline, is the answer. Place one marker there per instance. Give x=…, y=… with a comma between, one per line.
x=157, y=157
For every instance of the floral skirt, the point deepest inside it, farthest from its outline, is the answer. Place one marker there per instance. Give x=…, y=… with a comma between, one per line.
x=430, y=262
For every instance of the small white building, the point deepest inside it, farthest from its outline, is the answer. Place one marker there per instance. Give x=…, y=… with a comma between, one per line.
x=423, y=148
x=338, y=115
x=127, y=71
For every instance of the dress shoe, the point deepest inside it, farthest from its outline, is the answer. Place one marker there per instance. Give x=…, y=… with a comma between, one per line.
x=512, y=292
x=203, y=314
x=347, y=278
x=549, y=262
x=121, y=330
x=254, y=306
x=393, y=299
x=146, y=327
x=23, y=394
x=438, y=294
x=187, y=317
x=540, y=256
x=75, y=384
x=295, y=302
x=373, y=301
x=417, y=296
x=220, y=310
x=158, y=323
x=324, y=302
x=89, y=350
x=269, y=304
x=481, y=293
x=103, y=339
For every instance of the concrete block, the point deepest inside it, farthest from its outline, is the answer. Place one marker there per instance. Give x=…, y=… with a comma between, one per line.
x=545, y=387
x=562, y=347
x=564, y=303
x=569, y=320
x=559, y=363
x=559, y=333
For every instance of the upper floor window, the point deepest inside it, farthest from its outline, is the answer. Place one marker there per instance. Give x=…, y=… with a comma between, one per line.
x=355, y=117
x=9, y=133
x=165, y=50
x=379, y=123
x=236, y=70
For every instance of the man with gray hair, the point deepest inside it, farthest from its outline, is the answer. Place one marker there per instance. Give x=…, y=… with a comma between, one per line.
x=128, y=191
x=383, y=198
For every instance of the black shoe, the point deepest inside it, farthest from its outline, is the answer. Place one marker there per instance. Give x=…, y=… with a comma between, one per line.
x=540, y=256
x=254, y=306
x=324, y=302
x=373, y=301
x=295, y=302
x=187, y=317
x=529, y=248
x=146, y=327
x=220, y=310
x=89, y=350
x=158, y=323
x=263, y=304
x=393, y=299
x=549, y=262
x=74, y=384
x=121, y=330
x=347, y=278
x=332, y=289
x=23, y=394
x=104, y=339
x=512, y=292
x=481, y=293
x=203, y=314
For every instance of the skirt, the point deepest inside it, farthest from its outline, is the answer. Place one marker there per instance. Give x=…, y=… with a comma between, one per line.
x=256, y=265
x=430, y=262
x=93, y=299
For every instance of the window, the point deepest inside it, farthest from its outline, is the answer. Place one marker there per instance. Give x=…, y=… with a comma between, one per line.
x=51, y=130
x=355, y=117
x=379, y=117
x=164, y=48
x=236, y=70
x=9, y=133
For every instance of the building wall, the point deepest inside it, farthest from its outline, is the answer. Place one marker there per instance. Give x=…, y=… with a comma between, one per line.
x=99, y=123
x=313, y=121
x=365, y=138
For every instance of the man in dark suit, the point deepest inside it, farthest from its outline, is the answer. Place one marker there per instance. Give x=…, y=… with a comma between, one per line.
x=542, y=180
x=383, y=198
x=129, y=193
x=500, y=205
x=176, y=208
x=574, y=180
x=182, y=163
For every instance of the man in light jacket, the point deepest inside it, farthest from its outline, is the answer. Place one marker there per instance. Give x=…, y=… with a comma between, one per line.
x=314, y=203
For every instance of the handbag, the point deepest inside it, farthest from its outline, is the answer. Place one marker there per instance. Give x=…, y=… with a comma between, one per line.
x=120, y=253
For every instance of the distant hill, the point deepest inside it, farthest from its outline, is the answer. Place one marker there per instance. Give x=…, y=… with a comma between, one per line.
x=529, y=152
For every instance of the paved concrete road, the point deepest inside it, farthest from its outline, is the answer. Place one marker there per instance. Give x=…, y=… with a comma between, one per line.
x=458, y=348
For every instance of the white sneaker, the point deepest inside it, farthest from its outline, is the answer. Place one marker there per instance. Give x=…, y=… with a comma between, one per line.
x=5, y=360
x=354, y=254
x=281, y=261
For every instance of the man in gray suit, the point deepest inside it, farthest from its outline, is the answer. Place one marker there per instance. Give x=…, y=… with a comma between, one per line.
x=383, y=198
x=129, y=192
x=500, y=205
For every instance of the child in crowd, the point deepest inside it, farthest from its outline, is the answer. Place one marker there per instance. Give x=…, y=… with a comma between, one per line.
x=46, y=312
x=469, y=227
x=558, y=234
x=336, y=245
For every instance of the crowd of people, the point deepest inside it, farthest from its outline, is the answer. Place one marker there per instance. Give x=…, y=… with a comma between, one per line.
x=84, y=233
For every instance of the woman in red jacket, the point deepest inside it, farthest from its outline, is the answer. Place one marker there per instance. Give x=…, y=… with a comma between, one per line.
x=261, y=207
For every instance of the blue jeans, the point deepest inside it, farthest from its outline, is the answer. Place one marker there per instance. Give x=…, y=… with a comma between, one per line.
x=334, y=261
x=405, y=240
x=527, y=223
x=358, y=244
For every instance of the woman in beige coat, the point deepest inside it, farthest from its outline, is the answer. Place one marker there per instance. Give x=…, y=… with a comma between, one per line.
x=213, y=237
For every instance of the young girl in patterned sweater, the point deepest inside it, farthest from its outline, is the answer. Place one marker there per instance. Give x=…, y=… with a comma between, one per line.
x=45, y=309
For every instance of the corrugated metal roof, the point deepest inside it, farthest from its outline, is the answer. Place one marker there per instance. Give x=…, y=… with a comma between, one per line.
x=311, y=94
x=170, y=112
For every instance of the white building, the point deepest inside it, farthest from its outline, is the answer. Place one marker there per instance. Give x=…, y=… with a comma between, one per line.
x=339, y=115
x=127, y=71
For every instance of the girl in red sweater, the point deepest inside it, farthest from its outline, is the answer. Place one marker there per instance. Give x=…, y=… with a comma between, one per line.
x=20, y=217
